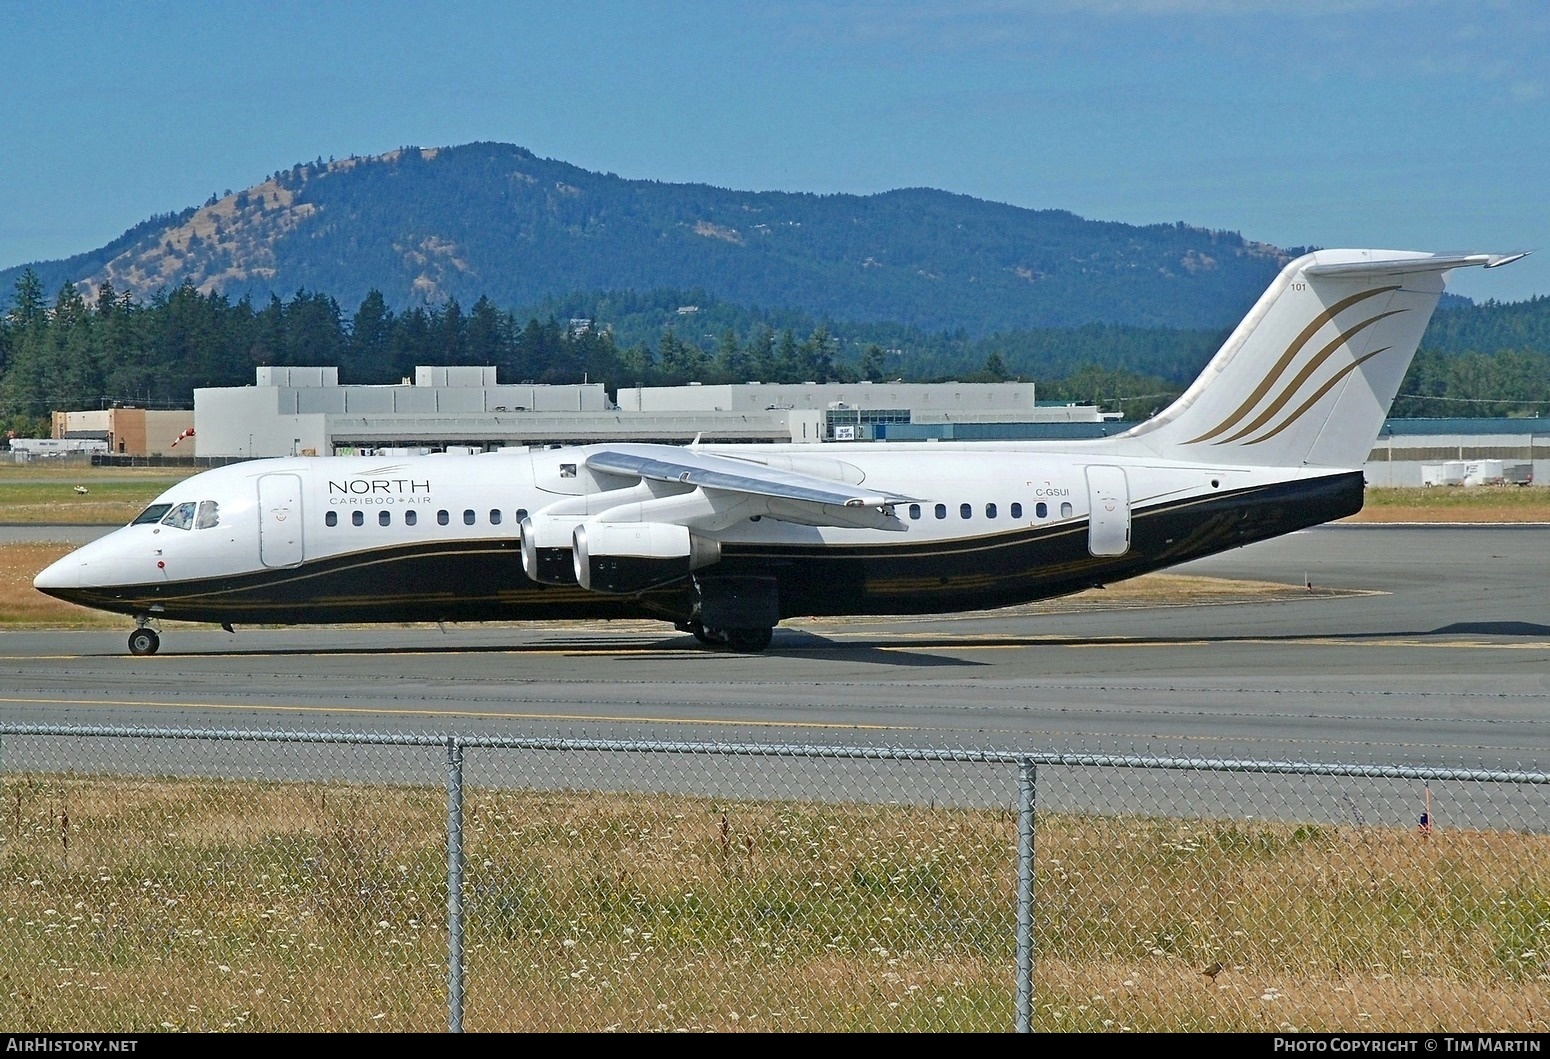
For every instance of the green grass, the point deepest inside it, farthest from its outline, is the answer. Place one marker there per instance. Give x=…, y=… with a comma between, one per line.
x=47, y=494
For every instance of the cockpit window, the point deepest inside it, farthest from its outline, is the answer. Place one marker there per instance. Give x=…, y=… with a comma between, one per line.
x=151, y=514
x=181, y=517
x=209, y=514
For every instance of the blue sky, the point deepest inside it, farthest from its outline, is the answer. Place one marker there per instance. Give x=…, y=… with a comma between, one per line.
x=1401, y=124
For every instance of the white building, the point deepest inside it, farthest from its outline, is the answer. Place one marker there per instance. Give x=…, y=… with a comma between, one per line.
x=304, y=410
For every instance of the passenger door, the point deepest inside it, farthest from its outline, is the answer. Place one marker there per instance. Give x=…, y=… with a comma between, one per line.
x=279, y=520
x=1108, y=506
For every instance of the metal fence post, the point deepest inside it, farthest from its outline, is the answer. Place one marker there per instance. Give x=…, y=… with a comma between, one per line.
x=1027, y=778
x=454, y=885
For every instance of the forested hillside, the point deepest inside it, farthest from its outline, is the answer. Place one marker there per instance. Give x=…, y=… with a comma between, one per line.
x=68, y=353
x=426, y=227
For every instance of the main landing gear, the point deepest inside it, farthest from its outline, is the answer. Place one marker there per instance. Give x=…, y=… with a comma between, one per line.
x=739, y=612
x=748, y=641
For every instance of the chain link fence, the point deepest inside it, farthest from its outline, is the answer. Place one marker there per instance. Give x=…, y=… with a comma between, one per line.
x=186, y=879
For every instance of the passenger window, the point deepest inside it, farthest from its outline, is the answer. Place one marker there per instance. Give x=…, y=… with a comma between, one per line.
x=915, y=511
x=357, y=519
x=567, y=470
x=331, y=519
x=468, y=517
x=410, y=518
x=442, y=518
x=1041, y=509
x=1017, y=511
x=990, y=510
x=151, y=514
x=965, y=511
x=181, y=517
x=1065, y=510
x=209, y=514
x=495, y=516
x=521, y=513
x=941, y=511
x=384, y=518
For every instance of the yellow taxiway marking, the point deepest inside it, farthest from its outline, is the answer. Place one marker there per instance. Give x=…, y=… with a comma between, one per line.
x=1012, y=643
x=482, y=714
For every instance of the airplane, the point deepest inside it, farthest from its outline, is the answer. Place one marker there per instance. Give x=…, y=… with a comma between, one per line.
x=726, y=541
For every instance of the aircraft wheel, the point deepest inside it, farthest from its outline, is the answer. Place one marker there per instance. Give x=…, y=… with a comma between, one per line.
x=750, y=641
x=704, y=635
x=144, y=642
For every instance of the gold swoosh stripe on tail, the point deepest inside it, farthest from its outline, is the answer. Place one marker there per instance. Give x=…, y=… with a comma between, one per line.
x=1314, y=363
x=1285, y=360
x=1320, y=392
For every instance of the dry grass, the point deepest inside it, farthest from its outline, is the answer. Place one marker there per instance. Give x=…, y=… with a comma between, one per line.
x=145, y=904
x=1488, y=504
x=22, y=606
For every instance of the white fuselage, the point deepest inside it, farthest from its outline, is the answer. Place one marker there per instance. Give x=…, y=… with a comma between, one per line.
x=300, y=520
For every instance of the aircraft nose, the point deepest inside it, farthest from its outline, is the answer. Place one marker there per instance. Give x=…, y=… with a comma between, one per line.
x=63, y=573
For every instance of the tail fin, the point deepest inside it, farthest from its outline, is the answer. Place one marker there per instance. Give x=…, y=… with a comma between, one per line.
x=1308, y=377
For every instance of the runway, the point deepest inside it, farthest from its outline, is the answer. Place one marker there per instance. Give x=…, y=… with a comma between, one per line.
x=1410, y=645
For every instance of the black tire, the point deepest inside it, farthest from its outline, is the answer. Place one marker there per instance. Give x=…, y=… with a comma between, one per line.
x=144, y=642
x=704, y=635
x=749, y=641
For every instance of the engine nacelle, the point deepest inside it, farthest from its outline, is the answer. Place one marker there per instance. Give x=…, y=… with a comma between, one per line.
x=621, y=557
x=546, y=555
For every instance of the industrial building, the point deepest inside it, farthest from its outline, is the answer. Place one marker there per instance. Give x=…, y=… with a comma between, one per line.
x=1414, y=451
x=129, y=431
x=305, y=411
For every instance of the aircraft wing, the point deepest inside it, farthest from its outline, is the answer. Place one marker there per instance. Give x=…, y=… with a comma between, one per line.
x=671, y=463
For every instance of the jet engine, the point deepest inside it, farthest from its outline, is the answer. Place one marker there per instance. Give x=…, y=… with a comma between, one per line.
x=546, y=556
x=623, y=557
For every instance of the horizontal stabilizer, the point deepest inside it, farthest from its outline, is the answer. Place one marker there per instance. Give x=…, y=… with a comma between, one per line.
x=1380, y=264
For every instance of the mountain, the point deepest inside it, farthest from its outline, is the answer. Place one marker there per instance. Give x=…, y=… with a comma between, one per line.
x=494, y=220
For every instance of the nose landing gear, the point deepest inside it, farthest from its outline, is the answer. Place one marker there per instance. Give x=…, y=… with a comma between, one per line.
x=144, y=640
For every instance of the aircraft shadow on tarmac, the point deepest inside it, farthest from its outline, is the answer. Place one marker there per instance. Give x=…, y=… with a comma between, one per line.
x=1493, y=628
x=882, y=650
